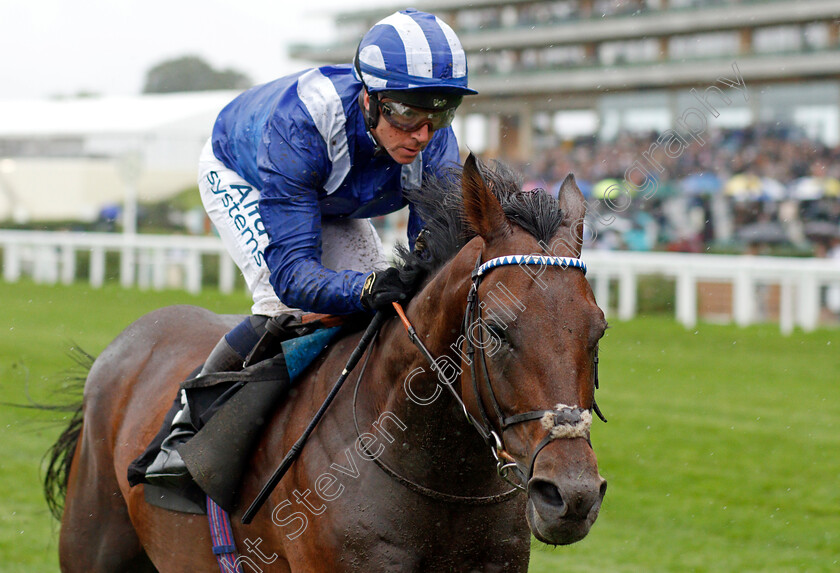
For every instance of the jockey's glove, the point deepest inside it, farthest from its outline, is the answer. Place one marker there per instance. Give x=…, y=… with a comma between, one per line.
x=381, y=288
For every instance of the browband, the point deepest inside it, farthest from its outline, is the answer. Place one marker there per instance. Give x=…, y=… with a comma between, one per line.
x=564, y=262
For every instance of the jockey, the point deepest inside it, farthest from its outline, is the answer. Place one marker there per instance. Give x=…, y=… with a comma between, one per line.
x=296, y=167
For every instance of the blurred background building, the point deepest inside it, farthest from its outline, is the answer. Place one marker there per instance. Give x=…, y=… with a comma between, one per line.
x=555, y=69
x=706, y=126
x=75, y=158
x=588, y=86
x=748, y=89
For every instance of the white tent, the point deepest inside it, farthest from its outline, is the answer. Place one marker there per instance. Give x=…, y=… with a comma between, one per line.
x=63, y=159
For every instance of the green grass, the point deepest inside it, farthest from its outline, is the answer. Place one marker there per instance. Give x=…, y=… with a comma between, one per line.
x=39, y=324
x=722, y=451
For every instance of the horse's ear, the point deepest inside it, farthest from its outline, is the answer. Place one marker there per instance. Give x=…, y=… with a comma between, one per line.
x=573, y=206
x=483, y=211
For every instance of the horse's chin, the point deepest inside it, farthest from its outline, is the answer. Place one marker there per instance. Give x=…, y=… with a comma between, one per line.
x=559, y=531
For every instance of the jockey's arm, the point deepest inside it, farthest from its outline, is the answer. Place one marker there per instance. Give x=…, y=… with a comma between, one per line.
x=290, y=212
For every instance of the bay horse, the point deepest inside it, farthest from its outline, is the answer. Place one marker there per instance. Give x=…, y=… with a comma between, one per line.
x=394, y=478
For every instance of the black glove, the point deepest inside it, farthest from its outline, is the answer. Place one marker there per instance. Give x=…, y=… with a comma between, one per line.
x=382, y=288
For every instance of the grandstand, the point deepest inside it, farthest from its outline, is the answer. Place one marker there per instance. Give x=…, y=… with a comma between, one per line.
x=553, y=69
x=721, y=120
x=747, y=92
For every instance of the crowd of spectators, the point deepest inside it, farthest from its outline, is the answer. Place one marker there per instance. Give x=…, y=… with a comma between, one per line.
x=717, y=216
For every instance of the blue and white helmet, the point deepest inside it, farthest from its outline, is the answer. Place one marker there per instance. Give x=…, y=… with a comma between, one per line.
x=412, y=52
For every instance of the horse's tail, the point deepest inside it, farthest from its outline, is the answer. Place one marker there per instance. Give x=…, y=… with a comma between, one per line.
x=60, y=454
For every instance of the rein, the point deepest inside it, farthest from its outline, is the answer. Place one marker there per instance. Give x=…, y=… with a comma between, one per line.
x=560, y=422
x=414, y=486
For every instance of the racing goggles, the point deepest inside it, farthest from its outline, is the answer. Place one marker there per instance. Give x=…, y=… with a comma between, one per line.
x=408, y=118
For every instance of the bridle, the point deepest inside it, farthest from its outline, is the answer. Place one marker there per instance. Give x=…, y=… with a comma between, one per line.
x=560, y=422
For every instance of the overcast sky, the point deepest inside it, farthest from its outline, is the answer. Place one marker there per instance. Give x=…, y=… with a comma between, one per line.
x=63, y=47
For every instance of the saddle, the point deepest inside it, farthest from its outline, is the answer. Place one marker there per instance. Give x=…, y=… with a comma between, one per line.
x=230, y=410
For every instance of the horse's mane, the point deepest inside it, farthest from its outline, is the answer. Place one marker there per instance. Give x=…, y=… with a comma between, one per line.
x=440, y=204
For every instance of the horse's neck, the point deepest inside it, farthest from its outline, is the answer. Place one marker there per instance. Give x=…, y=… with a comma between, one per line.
x=439, y=447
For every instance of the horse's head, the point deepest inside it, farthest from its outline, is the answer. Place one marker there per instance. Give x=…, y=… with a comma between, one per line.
x=534, y=330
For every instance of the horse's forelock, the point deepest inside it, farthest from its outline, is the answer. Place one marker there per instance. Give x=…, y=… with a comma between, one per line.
x=536, y=211
x=440, y=204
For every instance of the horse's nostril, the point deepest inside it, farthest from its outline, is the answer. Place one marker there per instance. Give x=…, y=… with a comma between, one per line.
x=603, y=490
x=547, y=493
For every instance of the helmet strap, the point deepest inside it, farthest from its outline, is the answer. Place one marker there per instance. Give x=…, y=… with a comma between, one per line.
x=371, y=115
x=372, y=112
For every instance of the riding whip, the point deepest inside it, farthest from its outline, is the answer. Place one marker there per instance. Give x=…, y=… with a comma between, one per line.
x=294, y=452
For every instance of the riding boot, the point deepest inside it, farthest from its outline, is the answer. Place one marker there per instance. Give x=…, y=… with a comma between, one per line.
x=168, y=468
x=223, y=358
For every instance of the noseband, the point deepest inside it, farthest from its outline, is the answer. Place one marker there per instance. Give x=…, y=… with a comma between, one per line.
x=560, y=422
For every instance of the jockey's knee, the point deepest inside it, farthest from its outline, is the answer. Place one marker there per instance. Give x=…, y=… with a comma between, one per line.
x=246, y=334
x=231, y=350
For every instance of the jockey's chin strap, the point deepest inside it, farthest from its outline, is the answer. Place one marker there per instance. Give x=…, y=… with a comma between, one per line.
x=560, y=422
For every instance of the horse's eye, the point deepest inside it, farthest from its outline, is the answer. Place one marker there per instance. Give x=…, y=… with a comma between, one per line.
x=498, y=332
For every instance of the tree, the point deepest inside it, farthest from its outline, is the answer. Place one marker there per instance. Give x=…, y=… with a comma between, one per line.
x=189, y=74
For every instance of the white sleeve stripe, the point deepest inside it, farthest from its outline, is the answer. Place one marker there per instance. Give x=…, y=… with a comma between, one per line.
x=459, y=58
x=323, y=103
x=418, y=53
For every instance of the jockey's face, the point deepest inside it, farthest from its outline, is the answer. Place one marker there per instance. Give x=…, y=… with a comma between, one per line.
x=403, y=146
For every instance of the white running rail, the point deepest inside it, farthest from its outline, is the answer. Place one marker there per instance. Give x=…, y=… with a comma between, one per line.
x=175, y=261
x=148, y=261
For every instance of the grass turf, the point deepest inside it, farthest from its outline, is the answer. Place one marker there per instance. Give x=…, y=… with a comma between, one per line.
x=722, y=451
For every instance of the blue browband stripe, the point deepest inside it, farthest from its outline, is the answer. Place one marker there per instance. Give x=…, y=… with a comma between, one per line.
x=563, y=262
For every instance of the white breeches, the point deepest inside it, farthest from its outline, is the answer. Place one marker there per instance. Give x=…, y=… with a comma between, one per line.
x=231, y=203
